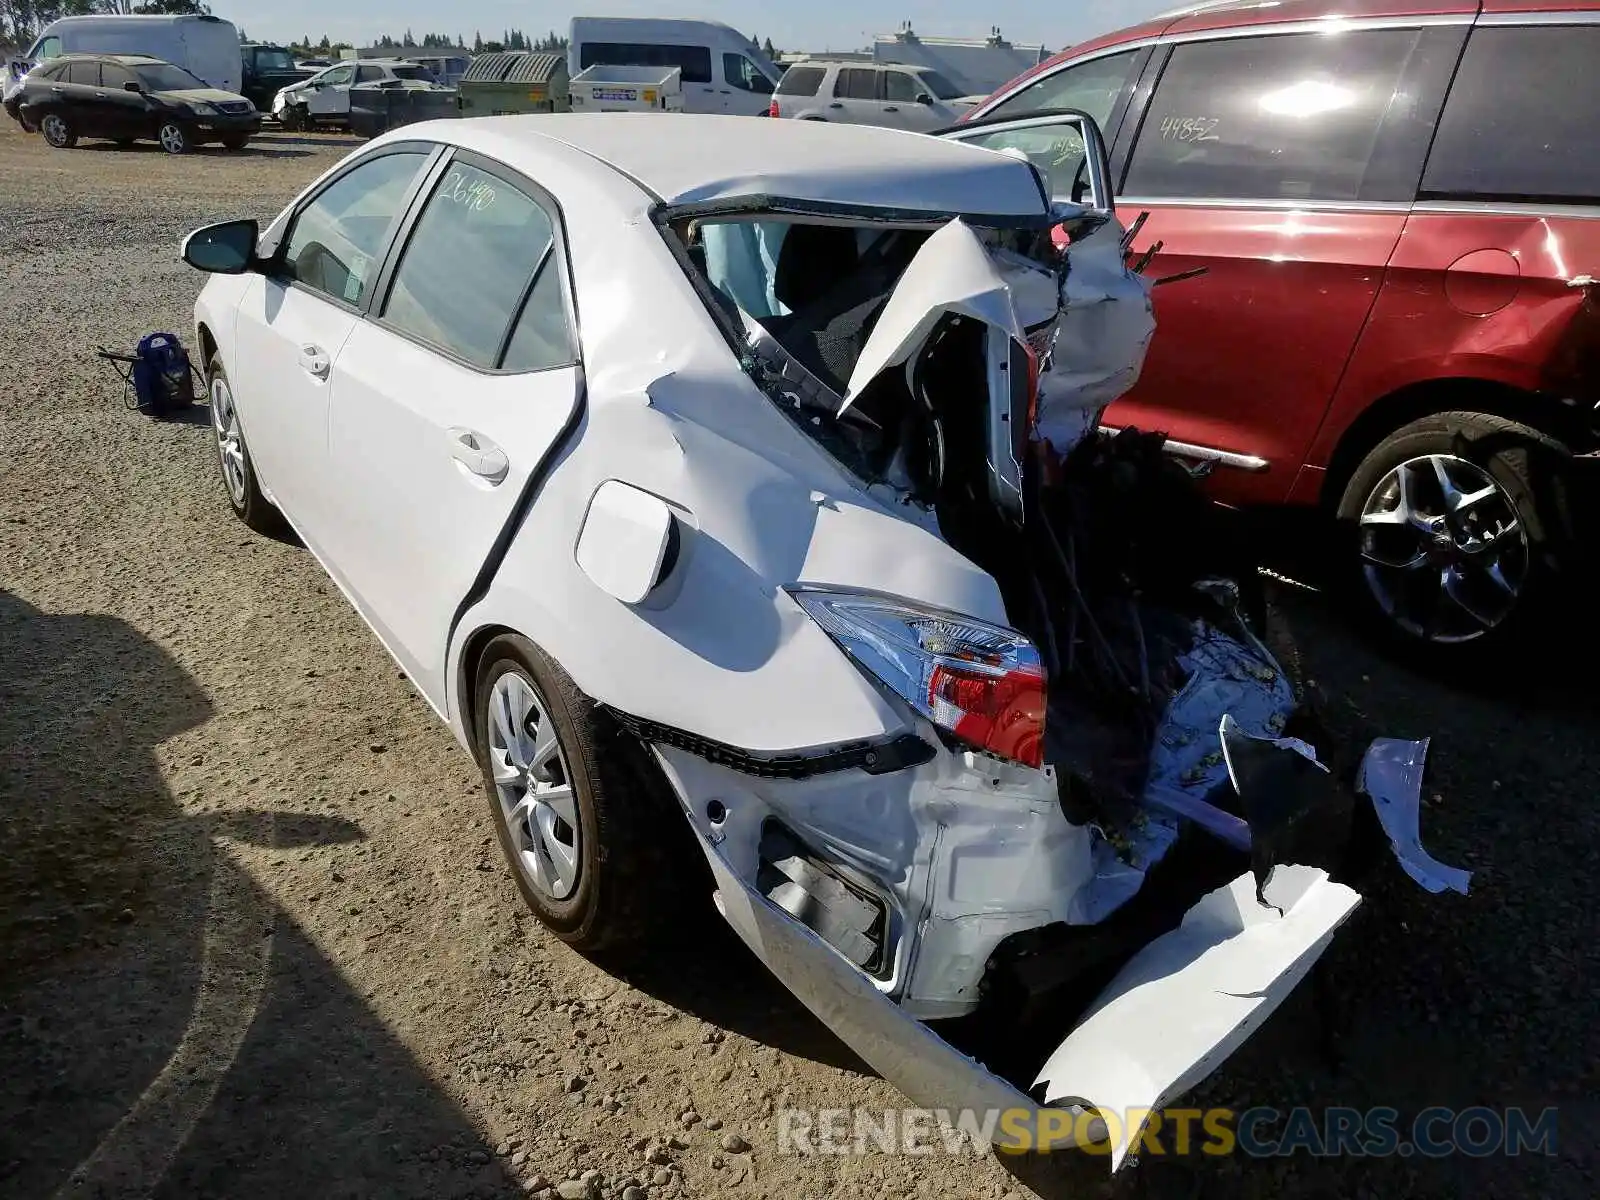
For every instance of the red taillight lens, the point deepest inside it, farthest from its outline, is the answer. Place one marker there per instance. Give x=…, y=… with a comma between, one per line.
x=772, y=109
x=981, y=682
x=1003, y=714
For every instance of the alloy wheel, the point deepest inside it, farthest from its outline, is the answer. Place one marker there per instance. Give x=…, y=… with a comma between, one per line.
x=534, y=787
x=173, y=139
x=55, y=130
x=230, y=443
x=1443, y=551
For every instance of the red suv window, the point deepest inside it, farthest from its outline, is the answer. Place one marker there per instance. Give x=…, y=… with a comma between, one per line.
x=1519, y=124
x=1282, y=117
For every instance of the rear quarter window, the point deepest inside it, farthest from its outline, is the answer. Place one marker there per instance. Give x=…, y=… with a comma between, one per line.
x=801, y=81
x=1519, y=124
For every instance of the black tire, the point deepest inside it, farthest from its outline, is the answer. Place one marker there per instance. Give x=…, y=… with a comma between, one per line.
x=296, y=118
x=58, y=131
x=174, y=137
x=1530, y=470
x=252, y=507
x=236, y=141
x=631, y=874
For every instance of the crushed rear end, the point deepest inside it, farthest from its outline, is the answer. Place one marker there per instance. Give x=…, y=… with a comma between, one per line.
x=1116, y=840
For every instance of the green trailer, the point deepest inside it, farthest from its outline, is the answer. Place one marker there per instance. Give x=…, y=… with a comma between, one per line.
x=515, y=81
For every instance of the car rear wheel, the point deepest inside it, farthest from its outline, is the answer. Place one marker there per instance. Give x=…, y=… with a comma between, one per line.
x=1456, y=531
x=578, y=805
x=174, y=138
x=58, y=131
x=238, y=472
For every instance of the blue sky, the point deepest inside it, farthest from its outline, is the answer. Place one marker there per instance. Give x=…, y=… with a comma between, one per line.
x=812, y=25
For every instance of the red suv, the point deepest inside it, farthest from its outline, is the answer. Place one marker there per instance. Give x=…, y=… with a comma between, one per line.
x=1399, y=208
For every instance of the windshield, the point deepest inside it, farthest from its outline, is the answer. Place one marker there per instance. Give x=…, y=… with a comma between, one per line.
x=164, y=77
x=941, y=87
x=415, y=73
x=274, y=60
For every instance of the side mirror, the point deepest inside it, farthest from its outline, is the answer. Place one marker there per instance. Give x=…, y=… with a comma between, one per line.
x=924, y=98
x=225, y=249
x=133, y=85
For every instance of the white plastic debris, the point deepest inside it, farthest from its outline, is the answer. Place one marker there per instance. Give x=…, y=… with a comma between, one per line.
x=1391, y=774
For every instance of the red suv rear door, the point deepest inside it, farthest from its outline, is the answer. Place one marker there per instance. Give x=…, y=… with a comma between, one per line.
x=1284, y=160
x=1487, y=282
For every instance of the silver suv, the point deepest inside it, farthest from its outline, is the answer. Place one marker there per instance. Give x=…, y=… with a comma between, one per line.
x=865, y=93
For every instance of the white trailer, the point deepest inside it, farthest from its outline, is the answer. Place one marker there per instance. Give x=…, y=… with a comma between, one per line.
x=627, y=89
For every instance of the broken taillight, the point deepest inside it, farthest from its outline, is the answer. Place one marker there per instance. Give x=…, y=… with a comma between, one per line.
x=982, y=683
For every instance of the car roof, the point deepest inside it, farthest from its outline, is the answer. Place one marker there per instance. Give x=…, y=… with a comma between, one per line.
x=131, y=60
x=687, y=159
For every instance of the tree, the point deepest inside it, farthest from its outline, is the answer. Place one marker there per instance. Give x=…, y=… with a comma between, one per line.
x=172, y=7
x=324, y=45
x=767, y=49
x=477, y=42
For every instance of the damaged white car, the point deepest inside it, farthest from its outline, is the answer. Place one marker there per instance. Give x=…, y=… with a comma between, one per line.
x=737, y=483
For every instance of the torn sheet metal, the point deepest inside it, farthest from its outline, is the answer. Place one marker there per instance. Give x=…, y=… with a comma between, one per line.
x=1391, y=774
x=1191, y=997
x=1101, y=336
x=951, y=273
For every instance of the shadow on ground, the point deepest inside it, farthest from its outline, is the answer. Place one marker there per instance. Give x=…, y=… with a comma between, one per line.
x=165, y=1031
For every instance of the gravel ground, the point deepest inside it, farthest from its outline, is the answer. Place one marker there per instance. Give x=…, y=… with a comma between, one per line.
x=258, y=940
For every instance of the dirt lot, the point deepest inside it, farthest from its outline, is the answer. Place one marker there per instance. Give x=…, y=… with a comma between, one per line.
x=258, y=941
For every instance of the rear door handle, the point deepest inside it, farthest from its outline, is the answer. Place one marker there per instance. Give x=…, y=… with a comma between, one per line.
x=835, y=104
x=891, y=108
x=314, y=360
x=478, y=454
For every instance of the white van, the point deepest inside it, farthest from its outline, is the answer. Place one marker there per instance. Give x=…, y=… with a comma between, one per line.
x=723, y=71
x=207, y=47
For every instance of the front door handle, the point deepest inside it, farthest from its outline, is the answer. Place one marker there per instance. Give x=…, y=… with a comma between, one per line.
x=835, y=104
x=891, y=108
x=314, y=360
x=478, y=454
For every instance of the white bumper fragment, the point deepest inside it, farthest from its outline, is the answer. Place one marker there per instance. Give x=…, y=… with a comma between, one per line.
x=1191, y=997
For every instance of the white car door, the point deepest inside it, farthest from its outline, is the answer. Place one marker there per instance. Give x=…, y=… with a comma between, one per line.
x=447, y=403
x=296, y=316
x=331, y=96
x=855, y=96
x=908, y=104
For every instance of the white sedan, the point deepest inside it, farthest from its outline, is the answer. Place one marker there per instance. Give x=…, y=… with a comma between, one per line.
x=688, y=468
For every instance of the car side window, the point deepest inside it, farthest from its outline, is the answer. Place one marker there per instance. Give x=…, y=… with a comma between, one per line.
x=48, y=49
x=467, y=268
x=334, y=241
x=1518, y=123
x=85, y=74
x=113, y=76
x=339, y=76
x=901, y=87
x=368, y=74
x=1280, y=117
x=856, y=83
x=1091, y=87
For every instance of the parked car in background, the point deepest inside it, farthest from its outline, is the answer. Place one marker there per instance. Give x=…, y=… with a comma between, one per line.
x=205, y=46
x=128, y=98
x=313, y=64
x=267, y=71
x=859, y=93
x=1396, y=206
x=720, y=590
x=723, y=71
x=324, y=98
